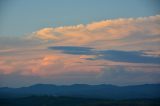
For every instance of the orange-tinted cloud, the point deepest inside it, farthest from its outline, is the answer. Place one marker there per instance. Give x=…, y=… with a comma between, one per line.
x=101, y=31
x=32, y=57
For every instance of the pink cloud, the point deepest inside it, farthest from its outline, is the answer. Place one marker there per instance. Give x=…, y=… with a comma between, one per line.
x=101, y=31
x=123, y=34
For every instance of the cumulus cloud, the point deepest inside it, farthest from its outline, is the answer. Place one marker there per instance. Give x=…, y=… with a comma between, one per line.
x=101, y=31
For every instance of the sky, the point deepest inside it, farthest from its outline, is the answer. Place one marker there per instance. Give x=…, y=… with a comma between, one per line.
x=79, y=42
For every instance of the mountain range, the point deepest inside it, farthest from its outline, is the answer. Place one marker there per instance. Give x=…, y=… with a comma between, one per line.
x=103, y=91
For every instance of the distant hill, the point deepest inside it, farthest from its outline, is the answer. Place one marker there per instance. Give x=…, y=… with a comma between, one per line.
x=146, y=91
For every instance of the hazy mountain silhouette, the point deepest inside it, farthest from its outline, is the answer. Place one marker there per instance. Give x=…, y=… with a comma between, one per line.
x=86, y=91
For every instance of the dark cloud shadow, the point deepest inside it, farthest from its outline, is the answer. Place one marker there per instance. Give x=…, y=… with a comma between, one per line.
x=75, y=50
x=113, y=55
x=128, y=56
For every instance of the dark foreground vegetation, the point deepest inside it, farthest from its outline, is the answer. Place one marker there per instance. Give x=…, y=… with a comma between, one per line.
x=71, y=101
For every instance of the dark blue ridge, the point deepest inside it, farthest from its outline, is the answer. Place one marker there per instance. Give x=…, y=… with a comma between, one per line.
x=84, y=90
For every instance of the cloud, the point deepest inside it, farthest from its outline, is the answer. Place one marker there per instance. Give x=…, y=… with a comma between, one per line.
x=46, y=64
x=109, y=75
x=106, y=51
x=128, y=56
x=75, y=67
x=113, y=55
x=76, y=50
x=101, y=31
x=155, y=53
x=46, y=33
x=120, y=75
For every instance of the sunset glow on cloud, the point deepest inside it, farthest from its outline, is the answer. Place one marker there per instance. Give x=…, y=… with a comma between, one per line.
x=102, y=31
x=117, y=51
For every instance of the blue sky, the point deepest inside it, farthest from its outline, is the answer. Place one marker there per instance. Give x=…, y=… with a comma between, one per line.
x=21, y=17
